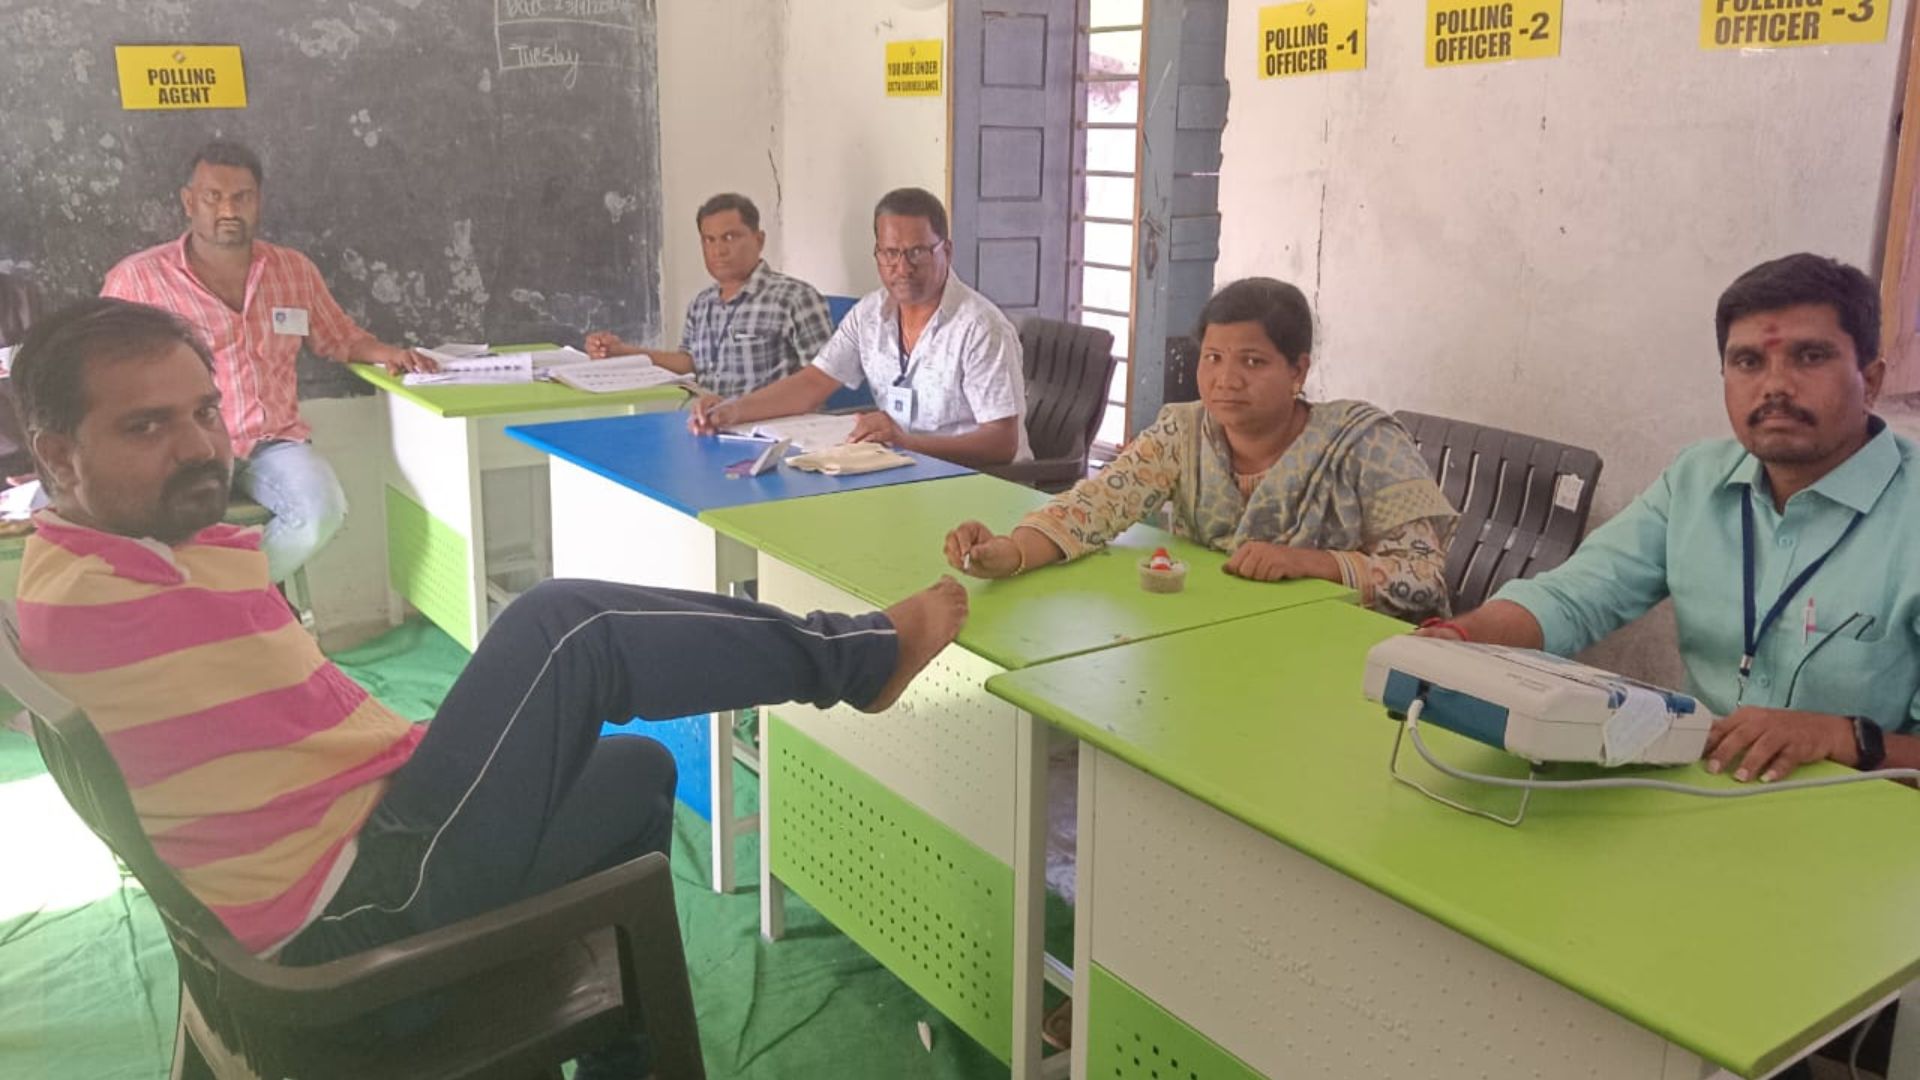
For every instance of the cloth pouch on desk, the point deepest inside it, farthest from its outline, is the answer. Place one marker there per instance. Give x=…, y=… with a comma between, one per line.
x=850, y=459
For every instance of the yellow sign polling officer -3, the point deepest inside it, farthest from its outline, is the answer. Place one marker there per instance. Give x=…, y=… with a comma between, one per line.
x=913, y=68
x=181, y=77
x=1312, y=38
x=1782, y=24
x=1467, y=33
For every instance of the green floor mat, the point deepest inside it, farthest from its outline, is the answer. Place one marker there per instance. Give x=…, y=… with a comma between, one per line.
x=87, y=981
x=86, y=978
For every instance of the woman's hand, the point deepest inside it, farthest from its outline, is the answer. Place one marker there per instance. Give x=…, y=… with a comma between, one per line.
x=1257, y=560
x=974, y=549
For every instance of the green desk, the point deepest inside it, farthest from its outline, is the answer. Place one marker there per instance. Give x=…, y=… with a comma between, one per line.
x=921, y=832
x=466, y=506
x=879, y=546
x=1614, y=934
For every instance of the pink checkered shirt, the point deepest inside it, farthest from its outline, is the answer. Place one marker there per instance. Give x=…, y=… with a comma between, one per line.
x=252, y=365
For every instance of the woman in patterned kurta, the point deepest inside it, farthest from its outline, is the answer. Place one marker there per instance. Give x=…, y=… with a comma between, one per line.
x=1292, y=489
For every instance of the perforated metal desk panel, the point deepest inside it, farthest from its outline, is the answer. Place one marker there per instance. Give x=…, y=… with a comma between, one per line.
x=1740, y=931
x=882, y=545
x=921, y=831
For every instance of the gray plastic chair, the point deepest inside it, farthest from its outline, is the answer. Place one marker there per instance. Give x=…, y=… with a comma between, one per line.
x=1068, y=368
x=1523, y=501
x=509, y=994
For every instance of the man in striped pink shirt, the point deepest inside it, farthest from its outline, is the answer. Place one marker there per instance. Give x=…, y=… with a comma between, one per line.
x=255, y=303
x=311, y=820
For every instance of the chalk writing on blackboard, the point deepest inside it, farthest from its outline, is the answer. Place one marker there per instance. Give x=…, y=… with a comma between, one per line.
x=566, y=35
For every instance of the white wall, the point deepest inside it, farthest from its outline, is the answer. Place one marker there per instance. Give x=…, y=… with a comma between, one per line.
x=349, y=576
x=844, y=142
x=1538, y=245
x=720, y=123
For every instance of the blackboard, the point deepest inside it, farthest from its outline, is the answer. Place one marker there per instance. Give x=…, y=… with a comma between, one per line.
x=463, y=170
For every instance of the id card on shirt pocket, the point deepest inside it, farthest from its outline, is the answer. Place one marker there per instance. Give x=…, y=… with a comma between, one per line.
x=290, y=320
x=900, y=405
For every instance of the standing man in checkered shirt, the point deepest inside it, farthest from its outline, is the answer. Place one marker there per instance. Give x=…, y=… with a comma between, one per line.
x=752, y=326
x=254, y=304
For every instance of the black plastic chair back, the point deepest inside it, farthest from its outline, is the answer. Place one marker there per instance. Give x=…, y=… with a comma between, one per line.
x=1067, y=368
x=1523, y=501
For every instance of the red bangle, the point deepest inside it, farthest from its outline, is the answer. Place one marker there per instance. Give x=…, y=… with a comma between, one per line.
x=1447, y=624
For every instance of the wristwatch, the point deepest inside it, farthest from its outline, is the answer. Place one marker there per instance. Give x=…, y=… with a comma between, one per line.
x=1869, y=744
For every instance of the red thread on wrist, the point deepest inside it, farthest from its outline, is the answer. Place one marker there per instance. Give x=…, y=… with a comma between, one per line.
x=1446, y=624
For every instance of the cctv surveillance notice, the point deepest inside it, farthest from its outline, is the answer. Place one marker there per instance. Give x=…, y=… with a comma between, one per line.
x=1785, y=24
x=1313, y=38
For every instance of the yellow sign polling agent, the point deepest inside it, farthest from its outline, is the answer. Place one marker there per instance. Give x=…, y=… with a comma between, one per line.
x=913, y=68
x=1460, y=33
x=1781, y=24
x=181, y=77
x=1311, y=38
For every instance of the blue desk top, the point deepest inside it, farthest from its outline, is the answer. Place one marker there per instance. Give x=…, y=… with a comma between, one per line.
x=655, y=455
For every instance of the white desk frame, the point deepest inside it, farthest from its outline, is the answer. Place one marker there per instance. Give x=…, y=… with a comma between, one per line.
x=1302, y=972
x=441, y=463
x=611, y=532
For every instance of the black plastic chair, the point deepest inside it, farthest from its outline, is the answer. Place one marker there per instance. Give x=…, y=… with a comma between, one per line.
x=509, y=994
x=1523, y=501
x=1068, y=368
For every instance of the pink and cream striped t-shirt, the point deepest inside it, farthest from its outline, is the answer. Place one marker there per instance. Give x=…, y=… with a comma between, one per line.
x=255, y=348
x=252, y=760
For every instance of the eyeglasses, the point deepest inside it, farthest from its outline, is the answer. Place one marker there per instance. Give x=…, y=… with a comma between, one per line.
x=914, y=256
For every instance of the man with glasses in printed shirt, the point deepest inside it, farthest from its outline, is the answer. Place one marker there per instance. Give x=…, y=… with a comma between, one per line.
x=943, y=362
x=752, y=326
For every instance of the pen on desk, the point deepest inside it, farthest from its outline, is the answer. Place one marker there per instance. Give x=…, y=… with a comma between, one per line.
x=1806, y=627
x=728, y=436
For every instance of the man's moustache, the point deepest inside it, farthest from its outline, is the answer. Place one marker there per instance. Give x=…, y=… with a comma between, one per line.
x=192, y=475
x=1788, y=411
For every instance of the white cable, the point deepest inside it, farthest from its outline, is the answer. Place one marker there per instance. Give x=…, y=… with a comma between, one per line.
x=1859, y=1039
x=1420, y=745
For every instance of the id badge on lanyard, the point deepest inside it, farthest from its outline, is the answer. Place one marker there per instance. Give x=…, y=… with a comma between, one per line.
x=899, y=400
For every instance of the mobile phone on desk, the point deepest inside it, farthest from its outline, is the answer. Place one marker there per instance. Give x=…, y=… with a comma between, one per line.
x=764, y=463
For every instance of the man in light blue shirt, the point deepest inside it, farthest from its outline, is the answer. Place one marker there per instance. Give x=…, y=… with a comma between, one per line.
x=1791, y=551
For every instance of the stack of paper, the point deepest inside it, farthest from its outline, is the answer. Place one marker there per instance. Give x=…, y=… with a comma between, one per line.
x=808, y=431
x=476, y=370
x=850, y=459
x=614, y=376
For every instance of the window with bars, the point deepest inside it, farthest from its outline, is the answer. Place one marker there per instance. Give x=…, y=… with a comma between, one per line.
x=1109, y=151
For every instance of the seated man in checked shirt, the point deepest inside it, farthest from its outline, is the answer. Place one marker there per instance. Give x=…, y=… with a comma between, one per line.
x=752, y=326
x=254, y=303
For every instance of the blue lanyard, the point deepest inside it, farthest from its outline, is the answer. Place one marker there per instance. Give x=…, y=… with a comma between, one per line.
x=733, y=308
x=900, y=329
x=1753, y=634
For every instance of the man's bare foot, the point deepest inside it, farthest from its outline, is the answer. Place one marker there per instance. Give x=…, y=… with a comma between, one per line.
x=927, y=622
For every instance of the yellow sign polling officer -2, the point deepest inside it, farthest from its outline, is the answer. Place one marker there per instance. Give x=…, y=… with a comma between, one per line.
x=913, y=68
x=1785, y=24
x=1313, y=38
x=1477, y=33
x=181, y=77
